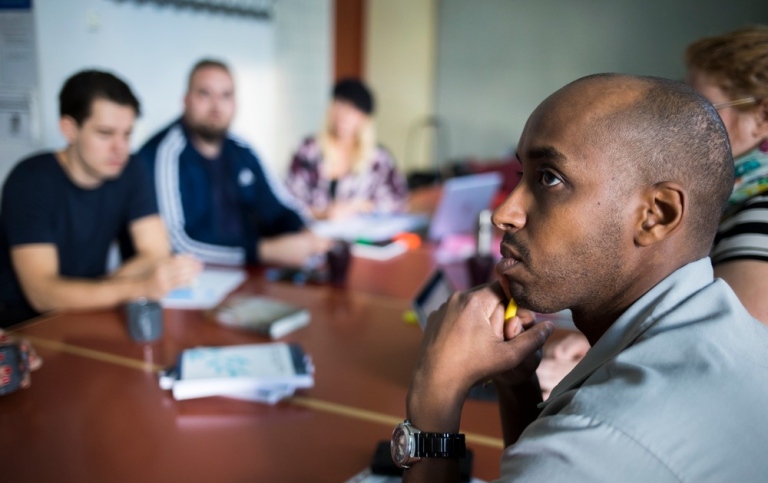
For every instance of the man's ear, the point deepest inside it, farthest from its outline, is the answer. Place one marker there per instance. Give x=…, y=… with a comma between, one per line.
x=663, y=209
x=69, y=128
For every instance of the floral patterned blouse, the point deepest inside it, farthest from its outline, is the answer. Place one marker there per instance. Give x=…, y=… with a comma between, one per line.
x=380, y=183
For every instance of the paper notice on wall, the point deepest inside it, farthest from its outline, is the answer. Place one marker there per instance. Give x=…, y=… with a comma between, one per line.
x=15, y=117
x=18, y=59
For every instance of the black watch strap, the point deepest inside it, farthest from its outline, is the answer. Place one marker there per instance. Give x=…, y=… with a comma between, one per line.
x=439, y=445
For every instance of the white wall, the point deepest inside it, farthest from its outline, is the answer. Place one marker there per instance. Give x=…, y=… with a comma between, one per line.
x=304, y=61
x=497, y=59
x=153, y=48
x=400, y=67
x=282, y=67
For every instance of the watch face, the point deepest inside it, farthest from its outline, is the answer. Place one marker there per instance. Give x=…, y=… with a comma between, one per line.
x=400, y=446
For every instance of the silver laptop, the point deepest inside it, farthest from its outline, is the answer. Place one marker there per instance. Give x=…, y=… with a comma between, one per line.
x=462, y=201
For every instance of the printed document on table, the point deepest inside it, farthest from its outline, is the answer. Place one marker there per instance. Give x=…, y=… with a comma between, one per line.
x=371, y=228
x=210, y=288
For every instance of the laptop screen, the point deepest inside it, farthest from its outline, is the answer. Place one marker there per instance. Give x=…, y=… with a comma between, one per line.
x=462, y=201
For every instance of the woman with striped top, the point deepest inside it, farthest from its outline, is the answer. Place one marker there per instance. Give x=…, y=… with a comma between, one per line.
x=731, y=71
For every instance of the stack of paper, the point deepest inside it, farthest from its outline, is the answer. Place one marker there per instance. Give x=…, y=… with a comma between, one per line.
x=254, y=372
x=370, y=228
x=380, y=252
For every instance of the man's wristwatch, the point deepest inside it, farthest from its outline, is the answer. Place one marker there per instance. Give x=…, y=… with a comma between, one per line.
x=409, y=445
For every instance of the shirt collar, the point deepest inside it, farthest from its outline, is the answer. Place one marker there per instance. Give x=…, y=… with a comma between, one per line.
x=647, y=310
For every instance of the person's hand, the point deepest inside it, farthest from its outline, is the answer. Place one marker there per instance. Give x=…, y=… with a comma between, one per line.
x=469, y=332
x=560, y=358
x=33, y=359
x=293, y=249
x=347, y=209
x=171, y=273
x=522, y=373
x=550, y=372
x=572, y=347
x=466, y=341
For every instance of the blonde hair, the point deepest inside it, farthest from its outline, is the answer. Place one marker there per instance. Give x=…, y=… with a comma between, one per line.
x=736, y=61
x=366, y=143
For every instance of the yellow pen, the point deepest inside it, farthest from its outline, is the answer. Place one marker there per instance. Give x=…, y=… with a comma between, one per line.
x=511, y=310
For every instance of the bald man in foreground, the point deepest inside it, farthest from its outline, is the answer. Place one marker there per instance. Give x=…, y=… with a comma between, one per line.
x=625, y=179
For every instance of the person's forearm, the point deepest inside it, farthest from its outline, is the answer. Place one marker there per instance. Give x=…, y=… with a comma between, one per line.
x=295, y=249
x=518, y=406
x=434, y=408
x=73, y=294
x=137, y=267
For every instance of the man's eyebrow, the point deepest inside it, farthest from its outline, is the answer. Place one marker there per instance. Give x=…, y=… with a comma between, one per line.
x=546, y=153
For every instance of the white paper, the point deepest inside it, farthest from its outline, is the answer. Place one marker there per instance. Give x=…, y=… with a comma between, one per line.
x=372, y=228
x=254, y=372
x=255, y=361
x=380, y=253
x=211, y=287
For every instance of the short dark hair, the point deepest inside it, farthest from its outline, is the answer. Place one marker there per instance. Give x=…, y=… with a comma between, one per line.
x=80, y=90
x=356, y=93
x=205, y=64
x=672, y=133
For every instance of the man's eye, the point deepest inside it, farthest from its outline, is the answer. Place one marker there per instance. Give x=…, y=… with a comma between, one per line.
x=549, y=179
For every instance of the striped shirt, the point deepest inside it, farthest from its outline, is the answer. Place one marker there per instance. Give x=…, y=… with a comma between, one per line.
x=217, y=210
x=743, y=235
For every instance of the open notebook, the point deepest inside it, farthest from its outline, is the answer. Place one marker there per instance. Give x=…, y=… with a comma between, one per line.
x=210, y=288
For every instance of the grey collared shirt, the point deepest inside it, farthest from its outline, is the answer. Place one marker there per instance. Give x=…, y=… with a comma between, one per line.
x=675, y=390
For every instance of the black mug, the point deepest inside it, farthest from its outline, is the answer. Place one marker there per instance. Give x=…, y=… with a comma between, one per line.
x=338, y=259
x=145, y=320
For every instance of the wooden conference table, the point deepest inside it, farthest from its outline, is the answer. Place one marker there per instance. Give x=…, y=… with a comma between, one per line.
x=95, y=412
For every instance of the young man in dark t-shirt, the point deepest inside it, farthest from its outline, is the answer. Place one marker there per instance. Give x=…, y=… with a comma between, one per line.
x=61, y=211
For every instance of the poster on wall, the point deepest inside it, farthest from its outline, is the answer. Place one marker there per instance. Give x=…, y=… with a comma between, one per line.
x=18, y=59
x=15, y=118
x=18, y=79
